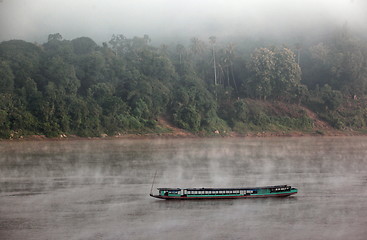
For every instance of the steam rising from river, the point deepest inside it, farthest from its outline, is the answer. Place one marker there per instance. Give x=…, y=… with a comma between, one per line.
x=99, y=189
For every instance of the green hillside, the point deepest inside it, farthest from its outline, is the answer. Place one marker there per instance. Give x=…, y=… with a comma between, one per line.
x=77, y=87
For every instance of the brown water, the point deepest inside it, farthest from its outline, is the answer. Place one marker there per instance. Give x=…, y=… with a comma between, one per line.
x=100, y=189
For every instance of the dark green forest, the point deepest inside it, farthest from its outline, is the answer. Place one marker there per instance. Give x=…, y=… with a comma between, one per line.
x=206, y=86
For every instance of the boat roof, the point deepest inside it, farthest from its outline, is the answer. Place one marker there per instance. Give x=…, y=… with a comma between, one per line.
x=221, y=189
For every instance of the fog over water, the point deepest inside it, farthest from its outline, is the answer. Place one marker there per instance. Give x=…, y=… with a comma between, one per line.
x=166, y=20
x=100, y=189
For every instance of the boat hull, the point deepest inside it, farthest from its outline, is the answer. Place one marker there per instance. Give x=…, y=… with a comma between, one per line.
x=222, y=197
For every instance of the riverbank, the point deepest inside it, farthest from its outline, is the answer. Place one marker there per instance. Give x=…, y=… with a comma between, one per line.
x=183, y=134
x=168, y=130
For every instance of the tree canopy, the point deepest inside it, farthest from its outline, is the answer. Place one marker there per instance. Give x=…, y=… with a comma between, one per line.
x=79, y=87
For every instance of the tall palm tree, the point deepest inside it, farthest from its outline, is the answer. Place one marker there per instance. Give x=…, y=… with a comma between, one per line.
x=163, y=49
x=212, y=42
x=230, y=56
x=180, y=50
x=298, y=46
x=197, y=46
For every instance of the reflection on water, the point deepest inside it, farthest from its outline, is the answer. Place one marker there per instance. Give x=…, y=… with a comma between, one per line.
x=100, y=189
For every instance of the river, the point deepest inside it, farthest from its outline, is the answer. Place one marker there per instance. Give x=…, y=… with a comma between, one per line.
x=99, y=189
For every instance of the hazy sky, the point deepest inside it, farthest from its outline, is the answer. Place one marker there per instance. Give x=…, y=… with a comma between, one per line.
x=33, y=20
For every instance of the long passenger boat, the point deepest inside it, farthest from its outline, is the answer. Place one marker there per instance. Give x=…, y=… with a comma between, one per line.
x=224, y=193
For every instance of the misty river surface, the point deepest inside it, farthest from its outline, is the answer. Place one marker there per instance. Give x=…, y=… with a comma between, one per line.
x=99, y=189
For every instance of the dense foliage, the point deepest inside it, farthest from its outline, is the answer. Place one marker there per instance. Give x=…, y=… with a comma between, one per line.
x=79, y=87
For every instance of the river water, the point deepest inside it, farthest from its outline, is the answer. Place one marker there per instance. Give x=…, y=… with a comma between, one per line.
x=99, y=189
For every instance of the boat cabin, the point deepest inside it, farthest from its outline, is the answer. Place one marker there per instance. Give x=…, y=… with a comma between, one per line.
x=178, y=192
